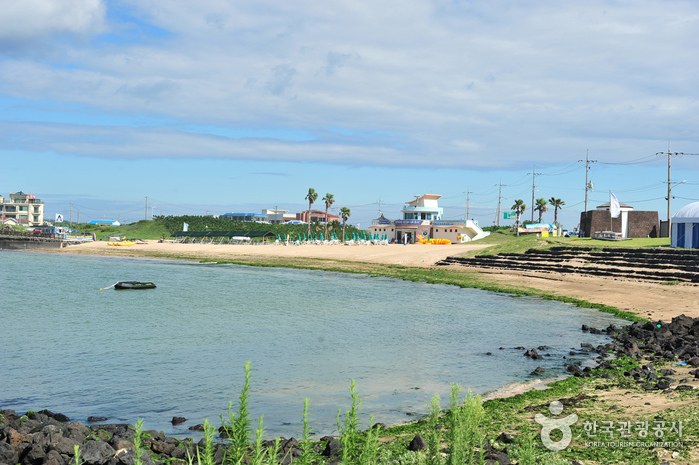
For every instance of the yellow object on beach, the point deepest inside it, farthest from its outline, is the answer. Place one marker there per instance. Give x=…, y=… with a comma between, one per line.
x=122, y=243
x=435, y=241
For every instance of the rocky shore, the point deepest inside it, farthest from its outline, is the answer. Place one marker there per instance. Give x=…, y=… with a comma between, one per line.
x=37, y=438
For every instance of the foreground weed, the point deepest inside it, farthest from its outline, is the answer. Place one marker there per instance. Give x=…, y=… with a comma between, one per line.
x=349, y=434
x=206, y=457
x=137, y=440
x=76, y=455
x=306, y=444
x=370, y=449
x=433, y=436
x=273, y=452
x=258, y=449
x=238, y=428
x=465, y=436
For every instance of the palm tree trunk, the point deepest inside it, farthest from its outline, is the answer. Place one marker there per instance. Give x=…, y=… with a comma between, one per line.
x=309, y=218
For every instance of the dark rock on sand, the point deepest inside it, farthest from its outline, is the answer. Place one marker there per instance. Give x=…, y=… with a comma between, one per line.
x=418, y=443
x=332, y=449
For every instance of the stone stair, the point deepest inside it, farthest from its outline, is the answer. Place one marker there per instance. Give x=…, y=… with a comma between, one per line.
x=654, y=265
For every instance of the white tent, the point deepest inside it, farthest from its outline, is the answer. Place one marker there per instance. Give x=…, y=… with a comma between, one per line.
x=685, y=227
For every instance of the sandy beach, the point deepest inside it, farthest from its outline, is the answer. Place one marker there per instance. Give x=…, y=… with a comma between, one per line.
x=650, y=300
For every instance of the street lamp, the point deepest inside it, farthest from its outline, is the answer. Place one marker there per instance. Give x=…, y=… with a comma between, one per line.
x=670, y=185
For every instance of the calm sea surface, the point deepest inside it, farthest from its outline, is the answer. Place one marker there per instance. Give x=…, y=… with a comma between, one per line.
x=179, y=350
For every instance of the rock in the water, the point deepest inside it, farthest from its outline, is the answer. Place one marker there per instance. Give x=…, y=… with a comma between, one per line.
x=533, y=354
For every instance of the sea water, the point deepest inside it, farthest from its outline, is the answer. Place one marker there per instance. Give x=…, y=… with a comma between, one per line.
x=180, y=349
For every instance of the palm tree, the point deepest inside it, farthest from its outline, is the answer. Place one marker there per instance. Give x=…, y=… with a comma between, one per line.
x=312, y=196
x=329, y=200
x=556, y=204
x=344, y=213
x=519, y=208
x=541, y=207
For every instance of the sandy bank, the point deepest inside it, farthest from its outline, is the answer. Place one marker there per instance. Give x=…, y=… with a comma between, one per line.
x=408, y=255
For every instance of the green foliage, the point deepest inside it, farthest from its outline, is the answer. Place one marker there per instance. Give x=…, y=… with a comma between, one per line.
x=496, y=228
x=464, y=433
x=433, y=436
x=207, y=457
x=76, y=455
x=144, y=229
x=238, y=428
x=306, y=444
x=258, y=449
x=173, y=224
x=349, y=429
x=137, y=440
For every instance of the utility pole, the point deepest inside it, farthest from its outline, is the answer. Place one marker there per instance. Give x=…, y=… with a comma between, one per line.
x=497, y=214
x=146, y=218
x=468, y=194
x=587, y=171
x=669, y=154
x=534, y=173
x=71, y=214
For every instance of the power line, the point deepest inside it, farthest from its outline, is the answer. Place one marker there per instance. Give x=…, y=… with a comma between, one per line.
x=637, y=161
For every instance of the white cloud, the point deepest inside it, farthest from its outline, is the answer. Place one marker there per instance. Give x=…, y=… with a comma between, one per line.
x=446, y=80
x=29, y=20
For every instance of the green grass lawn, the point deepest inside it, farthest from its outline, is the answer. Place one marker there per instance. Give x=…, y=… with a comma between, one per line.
x=144, y=229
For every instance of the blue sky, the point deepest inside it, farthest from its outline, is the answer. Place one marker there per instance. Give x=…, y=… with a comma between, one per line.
x=217, y=106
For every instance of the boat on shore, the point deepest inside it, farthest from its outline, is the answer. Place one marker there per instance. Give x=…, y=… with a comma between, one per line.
x=122, y=285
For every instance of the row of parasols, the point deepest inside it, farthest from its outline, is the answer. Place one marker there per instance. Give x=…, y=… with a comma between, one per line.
x=361, y=236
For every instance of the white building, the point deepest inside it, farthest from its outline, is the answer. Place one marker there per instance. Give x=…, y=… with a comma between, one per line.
x=422, y=219
x=685, y=227
x=23, y=208
x=275, y=216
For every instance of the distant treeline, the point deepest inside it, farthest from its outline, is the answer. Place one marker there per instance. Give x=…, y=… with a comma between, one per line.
x=208, y=223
